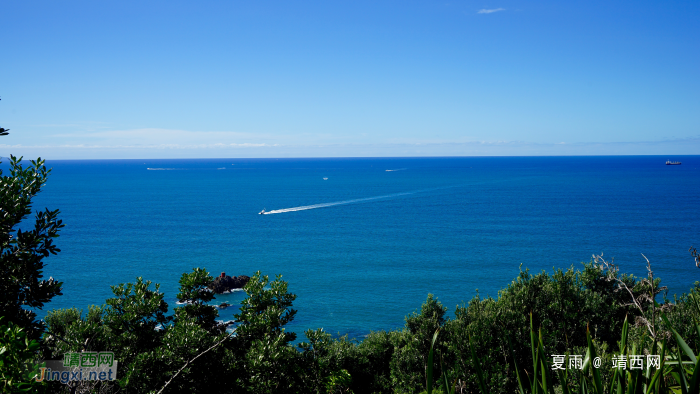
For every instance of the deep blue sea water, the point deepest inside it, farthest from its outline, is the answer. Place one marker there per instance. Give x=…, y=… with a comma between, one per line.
x=446, y=226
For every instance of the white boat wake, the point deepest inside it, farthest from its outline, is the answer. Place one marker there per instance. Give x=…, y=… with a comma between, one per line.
x=331, y=204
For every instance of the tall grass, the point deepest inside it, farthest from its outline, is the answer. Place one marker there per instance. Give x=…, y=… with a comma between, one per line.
x=678, y=371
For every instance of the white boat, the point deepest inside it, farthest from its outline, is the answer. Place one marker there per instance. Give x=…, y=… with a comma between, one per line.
x=325, y=179
x=262, y=212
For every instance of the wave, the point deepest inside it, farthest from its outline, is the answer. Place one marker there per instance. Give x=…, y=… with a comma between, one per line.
x=182, y=169
x=231, y=291
x=331, y=204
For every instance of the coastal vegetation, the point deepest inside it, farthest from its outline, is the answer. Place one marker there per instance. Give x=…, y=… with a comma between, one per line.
x=500, y=345
x=505, y=344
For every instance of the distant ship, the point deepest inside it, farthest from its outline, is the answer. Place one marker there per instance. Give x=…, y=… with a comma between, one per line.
x=325, y=179
x=262, y=212
x=673, y=163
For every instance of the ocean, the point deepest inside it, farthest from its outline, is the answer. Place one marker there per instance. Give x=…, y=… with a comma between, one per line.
x=363, y=241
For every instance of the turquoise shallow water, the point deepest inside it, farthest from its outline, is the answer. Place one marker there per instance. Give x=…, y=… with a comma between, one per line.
x=446, y=226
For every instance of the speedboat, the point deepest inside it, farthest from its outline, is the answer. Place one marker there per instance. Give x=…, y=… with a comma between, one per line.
x=262, y=212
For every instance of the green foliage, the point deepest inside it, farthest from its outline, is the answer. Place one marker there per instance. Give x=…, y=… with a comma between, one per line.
x=371, y=368
x=266, y=361
x=195, y=294
x=22, y=251
x=410, y=361
x=683, y=314
x=430, y=364
x=674, y=375
x=324, y=361
x=563, y=304
x=271, y=365
x=339, y=382
x=265, y=312
x=133, y=318
x=23, y=247
x=367, y=362
x=150, y=345
x=498, y=345
x=483, y=326
x=18, y=364
x=68, y=331
x=180, y=344
x=317, y=355
x=193, y=287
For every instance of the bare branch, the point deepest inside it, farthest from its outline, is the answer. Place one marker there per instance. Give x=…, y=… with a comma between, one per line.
x=612, y=274
x=227, y=336
x=694, y=253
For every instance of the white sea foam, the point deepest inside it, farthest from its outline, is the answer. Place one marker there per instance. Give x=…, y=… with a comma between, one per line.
x=331, y=204
x=398, y=169
x=231, y=291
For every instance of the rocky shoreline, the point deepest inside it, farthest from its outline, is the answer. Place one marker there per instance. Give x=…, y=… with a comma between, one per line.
x=224, y=283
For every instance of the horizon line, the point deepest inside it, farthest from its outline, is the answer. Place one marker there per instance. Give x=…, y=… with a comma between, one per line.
x=361, y=157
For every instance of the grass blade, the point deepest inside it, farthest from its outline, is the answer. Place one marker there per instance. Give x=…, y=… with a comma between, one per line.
x=647, y=373
x=563, y=380
x=693, y=389
x=681, y=343
x=515, y=366
x=680, y=375
x=598, y=383
x=547, y=383
x=429, y=371
x=650, y=387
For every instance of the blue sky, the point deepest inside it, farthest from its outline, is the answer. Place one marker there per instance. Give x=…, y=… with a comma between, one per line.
x=175, y=79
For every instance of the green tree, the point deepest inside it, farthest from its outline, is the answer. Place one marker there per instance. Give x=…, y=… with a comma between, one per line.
x=151, y=346
x=266, y=311
x=23, y=250
x=135, y=319
x=371, y=370
x=409, y=363
x=269, y=364
x=22, y=289
x=193, y=355
x=194, y=292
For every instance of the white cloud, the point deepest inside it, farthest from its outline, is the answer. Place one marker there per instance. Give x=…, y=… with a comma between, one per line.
x=491, y=11
x=688, y=146
x=151, y=146
x=162, y=138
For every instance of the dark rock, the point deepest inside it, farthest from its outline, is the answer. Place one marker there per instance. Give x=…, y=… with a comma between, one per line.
x=228, y=323
x=226, y=283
